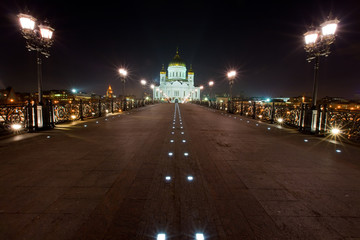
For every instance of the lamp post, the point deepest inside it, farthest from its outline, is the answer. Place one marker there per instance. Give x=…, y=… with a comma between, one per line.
x=152, y=86
x=231, y=76
x=123, y=73
x=143, y=84
x=317, y=44
x=211, y=84
x=39, y=38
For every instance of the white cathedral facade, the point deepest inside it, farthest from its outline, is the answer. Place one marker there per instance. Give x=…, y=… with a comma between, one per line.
x=175, y=85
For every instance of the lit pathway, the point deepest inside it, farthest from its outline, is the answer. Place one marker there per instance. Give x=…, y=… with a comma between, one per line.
x=177, y=170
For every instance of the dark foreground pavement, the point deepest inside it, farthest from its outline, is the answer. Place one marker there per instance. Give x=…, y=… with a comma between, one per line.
x=105, y=179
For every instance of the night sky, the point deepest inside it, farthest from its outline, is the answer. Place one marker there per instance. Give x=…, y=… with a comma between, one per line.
x=262, y=40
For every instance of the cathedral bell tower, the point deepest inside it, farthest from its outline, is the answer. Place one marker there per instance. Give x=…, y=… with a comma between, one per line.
x=162, y=75
x=191, y=76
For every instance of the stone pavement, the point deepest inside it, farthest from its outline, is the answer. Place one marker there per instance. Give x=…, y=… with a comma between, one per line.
x=106, y=179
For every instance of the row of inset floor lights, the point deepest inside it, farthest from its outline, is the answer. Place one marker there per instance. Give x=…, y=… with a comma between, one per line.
x=198, y=236
x=269, y=128
x=170, y=154
x=162, y=236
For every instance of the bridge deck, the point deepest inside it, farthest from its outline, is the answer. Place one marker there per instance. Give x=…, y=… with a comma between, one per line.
x=105, y=179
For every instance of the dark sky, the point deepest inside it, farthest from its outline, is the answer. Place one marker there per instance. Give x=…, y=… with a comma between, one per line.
x=263, y=40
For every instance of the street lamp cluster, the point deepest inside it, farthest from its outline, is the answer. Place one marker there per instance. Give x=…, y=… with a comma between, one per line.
x=317, y=44
x=123, y=73
x=39, y=38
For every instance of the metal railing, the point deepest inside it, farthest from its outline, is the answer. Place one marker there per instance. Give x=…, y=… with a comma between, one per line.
x=32, y=117
x=319, y=121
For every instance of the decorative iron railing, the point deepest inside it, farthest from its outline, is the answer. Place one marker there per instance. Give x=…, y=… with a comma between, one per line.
x=31, y=117
x=320, y=121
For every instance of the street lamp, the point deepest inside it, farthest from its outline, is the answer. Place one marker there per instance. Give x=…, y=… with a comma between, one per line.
x=39, y=38
x=317, y=44
x=143, y=83
x=211, y=84
x=123, y=73
x=152, y=86
x=231, y=76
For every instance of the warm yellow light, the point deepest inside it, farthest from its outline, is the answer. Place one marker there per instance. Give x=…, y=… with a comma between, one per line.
x=123, y=72
x=201, y=87
x=143, y=82
x=73, y=117
x=311, y=37
x=16, y=126
x=211, y=83
x=46, y=32
x=231, y=74
x=328, y=28
x=335, y=131
x=27, y=22
x=280, y=120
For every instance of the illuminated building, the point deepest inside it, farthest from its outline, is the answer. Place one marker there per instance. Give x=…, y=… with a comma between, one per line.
x=175, y=84
x=109, y=92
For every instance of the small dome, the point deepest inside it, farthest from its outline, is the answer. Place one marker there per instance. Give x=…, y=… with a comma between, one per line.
x=177, y=61
x=191, y=70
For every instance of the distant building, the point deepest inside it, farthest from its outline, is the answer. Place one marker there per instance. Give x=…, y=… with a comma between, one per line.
x=8, y=96
x=340, y=103
x=175, y=85
x=109, y=92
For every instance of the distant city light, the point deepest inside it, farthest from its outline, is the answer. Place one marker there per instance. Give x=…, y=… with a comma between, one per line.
x=170, y=154
x=73, y=117
x=167, y=178
x=338, y=150
x=186, y=154
x=305, y=140
x=190, y=178
x=184, y=141
x=73, y=90
x=280, y=120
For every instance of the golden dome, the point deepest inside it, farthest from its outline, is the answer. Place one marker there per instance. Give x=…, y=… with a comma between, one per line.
x=177, y=61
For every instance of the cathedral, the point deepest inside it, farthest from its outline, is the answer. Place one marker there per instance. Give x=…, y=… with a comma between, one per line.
x=175, y=85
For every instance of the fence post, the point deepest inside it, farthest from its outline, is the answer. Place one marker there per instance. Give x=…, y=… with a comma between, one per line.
x=99, y=107
x=81, y=111
x=29, y=116
x=242, y=107
x=272, y=112
x=36, y=117
x=318, y=117
x=112, y=105
x=51, y=114
x=254, y=110
x=323, y=120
